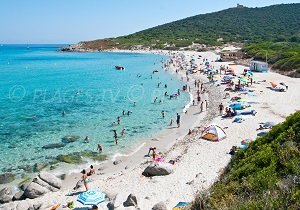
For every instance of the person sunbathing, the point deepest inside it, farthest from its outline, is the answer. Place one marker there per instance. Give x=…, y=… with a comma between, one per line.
x=260, y=128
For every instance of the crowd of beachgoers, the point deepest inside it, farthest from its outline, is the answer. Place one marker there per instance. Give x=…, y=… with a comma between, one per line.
x=230, y=106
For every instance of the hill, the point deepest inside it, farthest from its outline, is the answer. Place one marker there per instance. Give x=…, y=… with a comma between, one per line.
x=265, y=176
x=273, y=29
x=272, y=23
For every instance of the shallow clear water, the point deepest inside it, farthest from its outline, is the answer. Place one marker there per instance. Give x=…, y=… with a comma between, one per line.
x=38, y=83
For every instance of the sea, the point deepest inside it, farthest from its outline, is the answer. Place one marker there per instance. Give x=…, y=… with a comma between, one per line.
x=51, y=100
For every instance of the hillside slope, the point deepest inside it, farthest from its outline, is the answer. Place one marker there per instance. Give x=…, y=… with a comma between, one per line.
x=258, y=28
x=265, y=176
x=272, y=23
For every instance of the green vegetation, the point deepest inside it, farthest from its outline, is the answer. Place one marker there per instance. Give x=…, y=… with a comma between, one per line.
x=265, y=176
x=284, y=56
x=275, y=23
x=274, y=28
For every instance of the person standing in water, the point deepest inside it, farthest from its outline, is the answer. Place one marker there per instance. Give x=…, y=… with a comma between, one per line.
x=63, y=113
x=86, y=139
x=100, y=148
x=118, y=120
x=123, y=132
x=178, y=120
x=163, y=114
x=116, y=136
x=171, y=122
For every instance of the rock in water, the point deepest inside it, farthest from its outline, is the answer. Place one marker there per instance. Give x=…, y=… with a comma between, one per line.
x=51, y=179
x=53, y=146
x=39, y=167
x=160, y=169
x=70, y=139
x=131, y=201
x=34, y=190
x=7, y=178
x=160, y=206
x=6, y=195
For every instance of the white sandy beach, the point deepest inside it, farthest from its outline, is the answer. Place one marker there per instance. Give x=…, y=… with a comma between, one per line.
x=200, y=161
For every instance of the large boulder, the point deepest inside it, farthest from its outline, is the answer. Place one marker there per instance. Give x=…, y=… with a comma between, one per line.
x=70, y=139
x=18, y=196
x=34, y=190
x=160, y=169
x=24, y=205
x=6, y=195
x=51, y=179
x=8, y=206
x=160, y=206
x=130, y=201
x=44, y=184
x=7, y=178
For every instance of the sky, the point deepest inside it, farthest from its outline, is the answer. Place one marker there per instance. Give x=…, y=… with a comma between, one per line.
x=71, y=21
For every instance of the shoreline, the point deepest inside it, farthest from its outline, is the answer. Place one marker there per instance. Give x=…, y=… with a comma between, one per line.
x=135, y=154
x=200, y=162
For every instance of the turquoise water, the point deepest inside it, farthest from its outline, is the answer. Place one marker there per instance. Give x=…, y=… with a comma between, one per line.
x=38, y=83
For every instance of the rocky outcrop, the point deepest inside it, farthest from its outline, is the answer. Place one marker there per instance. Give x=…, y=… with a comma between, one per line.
x=7, y=178
x=160, y=206
x=40, y=185
x=130, y=201
x=51, y=179
x=19, y=196
x=6, y=195
x=160, y=169
x=34, y=190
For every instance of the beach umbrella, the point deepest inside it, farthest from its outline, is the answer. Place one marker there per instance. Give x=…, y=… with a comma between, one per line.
x=181, y=205
x=91, y=197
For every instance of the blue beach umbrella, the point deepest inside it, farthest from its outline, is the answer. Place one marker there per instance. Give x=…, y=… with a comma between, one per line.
x=180, y=205
x=91, y=197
